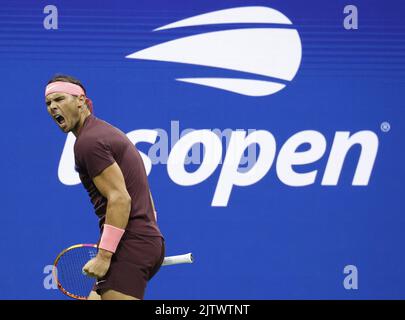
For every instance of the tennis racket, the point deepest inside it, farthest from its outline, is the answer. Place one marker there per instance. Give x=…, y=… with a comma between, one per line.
x=67, y=269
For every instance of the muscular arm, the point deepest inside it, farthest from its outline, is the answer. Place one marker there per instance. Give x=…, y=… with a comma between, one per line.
x=111, y=184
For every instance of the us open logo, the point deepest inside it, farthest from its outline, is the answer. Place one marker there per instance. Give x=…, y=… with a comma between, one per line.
x=267, y=58
x=272, y=52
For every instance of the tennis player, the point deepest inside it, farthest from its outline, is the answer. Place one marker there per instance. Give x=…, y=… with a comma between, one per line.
x=131, y=246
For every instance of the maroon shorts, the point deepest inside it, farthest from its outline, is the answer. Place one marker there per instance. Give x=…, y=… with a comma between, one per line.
x=137, y=259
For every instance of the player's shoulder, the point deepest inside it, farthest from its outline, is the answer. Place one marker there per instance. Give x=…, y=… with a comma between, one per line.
x=92, y=133
x=96, y=132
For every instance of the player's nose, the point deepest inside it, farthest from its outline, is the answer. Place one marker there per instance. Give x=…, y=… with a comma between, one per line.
x=53, y=108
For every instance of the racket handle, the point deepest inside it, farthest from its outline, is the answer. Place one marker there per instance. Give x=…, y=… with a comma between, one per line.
x=183, y=258
x=171, y=260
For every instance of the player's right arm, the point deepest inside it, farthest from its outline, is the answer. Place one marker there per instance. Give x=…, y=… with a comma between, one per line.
x=111, y=184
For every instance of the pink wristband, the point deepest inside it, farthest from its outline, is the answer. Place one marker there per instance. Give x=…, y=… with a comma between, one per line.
x=110, y=238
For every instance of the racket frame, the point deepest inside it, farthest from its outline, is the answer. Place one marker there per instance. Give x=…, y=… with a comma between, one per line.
x=55, y=269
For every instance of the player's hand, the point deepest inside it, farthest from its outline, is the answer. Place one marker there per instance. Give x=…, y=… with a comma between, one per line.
x=98, y=266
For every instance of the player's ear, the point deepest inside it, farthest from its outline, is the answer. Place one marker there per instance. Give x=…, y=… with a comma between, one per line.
x=82, y=101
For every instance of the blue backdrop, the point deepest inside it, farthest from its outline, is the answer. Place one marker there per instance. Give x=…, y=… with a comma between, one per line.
x=271, y=240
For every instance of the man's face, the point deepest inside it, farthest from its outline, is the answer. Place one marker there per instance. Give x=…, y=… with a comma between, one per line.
x=63, y=108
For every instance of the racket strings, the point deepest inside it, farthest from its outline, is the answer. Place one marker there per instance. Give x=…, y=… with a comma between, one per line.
x=69, y=271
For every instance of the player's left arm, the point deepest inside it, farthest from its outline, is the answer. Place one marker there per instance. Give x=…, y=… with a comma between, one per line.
x=111, y=184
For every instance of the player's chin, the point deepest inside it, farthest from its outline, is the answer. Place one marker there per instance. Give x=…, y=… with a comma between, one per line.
x=64, y=127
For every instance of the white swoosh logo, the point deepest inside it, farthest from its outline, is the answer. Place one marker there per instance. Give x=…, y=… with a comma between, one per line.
x=51, y=87
x=247, y=87
x=233, y=15
x=271, y=52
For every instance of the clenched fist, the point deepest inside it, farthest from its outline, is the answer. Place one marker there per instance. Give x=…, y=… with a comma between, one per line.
x=98, y=266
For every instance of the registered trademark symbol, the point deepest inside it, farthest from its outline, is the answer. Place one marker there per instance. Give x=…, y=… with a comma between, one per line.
x=385, y=126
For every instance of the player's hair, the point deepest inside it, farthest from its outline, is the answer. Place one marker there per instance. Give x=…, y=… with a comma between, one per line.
x=67, y=78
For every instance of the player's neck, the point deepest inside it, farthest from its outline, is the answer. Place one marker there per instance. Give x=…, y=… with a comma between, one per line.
x=80, y=123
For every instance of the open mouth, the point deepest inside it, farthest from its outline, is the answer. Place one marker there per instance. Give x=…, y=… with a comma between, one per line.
x=59, y=119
